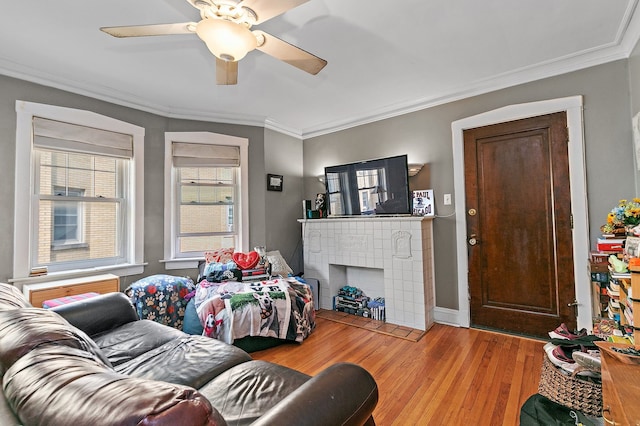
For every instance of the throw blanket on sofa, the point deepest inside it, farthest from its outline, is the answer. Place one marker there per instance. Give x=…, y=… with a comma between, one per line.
x=281, y=308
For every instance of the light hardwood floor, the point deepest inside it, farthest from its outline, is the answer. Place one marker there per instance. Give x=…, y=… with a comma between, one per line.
x=452, y=376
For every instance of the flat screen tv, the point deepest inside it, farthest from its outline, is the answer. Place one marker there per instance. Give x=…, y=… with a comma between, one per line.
x=379, y=187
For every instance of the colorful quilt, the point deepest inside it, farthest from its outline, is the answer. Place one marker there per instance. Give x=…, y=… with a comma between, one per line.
x=280, y=308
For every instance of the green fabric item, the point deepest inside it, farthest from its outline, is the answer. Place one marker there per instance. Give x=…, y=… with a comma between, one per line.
x=588, y=341
x=541, y=411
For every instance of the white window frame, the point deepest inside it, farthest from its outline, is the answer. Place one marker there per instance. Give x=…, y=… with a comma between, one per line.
x=23, y=216
x=171, y=261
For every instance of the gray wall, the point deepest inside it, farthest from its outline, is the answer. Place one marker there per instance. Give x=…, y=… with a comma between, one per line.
x=634, y=88
x=282, y=209
x=426, y=137
x=266, y=227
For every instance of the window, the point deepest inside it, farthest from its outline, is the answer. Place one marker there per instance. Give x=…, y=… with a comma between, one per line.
x=205, y=214
x=334, y=188
x=84, y=202
x=81, y=208
x=205, y=195
x=68, y=231
x=371, y=187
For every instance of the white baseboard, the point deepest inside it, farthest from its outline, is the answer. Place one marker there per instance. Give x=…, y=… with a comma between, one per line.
x=446, y=316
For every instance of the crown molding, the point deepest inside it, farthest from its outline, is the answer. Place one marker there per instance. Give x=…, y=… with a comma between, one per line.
x=107, y=94
x=621, y=48
x=539, y=71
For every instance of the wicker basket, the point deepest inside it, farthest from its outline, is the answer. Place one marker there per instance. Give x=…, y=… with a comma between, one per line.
x=573, y=392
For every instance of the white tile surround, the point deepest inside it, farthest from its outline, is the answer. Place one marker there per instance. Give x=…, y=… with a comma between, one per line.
x=399, y=250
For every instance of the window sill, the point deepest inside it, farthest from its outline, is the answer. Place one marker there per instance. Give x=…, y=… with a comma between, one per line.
x=120, y=270
x=69, y=246
x=186, y=263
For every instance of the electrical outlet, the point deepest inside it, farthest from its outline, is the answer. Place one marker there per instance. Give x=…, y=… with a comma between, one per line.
x=447, y=199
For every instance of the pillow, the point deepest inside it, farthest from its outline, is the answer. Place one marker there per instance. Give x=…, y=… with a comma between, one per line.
x=216, y=267
x=221, y=255
x=246, y=260
x=192, y=324
x=228, y=275
x=279, y=266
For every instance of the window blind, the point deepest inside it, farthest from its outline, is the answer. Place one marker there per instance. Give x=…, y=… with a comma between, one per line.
x=187, y=154
x=54, y=134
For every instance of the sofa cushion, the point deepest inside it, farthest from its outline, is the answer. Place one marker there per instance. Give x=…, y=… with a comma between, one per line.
x=131, y=340
x=11, y=298
x=73, y=388
x=190, y=361
x=245, y=392
x=99, y=314
x=21, y=330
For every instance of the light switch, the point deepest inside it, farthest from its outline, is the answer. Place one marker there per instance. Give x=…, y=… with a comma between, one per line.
x=447, y=199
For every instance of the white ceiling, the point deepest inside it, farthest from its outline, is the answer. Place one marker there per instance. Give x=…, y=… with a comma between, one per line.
x=384, y=57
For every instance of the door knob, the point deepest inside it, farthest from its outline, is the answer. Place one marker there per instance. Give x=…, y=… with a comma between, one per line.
x=473, y=240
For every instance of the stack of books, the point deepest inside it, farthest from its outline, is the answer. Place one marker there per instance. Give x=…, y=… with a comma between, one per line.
x=38, y=271
x=613, y=290
x=256, y=274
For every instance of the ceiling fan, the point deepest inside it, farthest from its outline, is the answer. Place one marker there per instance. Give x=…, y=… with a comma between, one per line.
x=225, y=27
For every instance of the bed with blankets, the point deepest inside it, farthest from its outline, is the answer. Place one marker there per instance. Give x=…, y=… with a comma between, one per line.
x=281, y=308
x=252, y=313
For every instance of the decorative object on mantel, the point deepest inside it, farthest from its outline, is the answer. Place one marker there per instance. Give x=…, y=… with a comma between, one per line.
x=321, y=204
x=622, y=218
x=423, y=203
x=274, y=182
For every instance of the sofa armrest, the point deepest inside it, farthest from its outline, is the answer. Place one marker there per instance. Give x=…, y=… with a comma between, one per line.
x=100, y=313
x=343, y=394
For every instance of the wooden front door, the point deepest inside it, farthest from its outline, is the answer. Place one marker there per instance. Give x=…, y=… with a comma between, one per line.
x=519, y=225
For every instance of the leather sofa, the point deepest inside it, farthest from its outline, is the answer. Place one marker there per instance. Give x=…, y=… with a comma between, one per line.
x=93, y=362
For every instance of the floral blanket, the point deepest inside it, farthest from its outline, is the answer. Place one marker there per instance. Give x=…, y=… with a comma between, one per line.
x=280, y=308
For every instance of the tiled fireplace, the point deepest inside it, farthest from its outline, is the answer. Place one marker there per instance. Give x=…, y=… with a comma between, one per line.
x=390, y=257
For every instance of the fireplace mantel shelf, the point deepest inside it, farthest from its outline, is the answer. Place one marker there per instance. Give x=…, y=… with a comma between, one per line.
x=368, y=219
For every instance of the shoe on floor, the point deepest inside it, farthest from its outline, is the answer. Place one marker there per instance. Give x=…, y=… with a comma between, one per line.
x=563, y=353
x=559, y=356
x=562, y=332
x=589, y=360
x=570, y=367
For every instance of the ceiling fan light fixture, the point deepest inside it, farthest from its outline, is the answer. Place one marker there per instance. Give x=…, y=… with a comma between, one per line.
x=227, y=40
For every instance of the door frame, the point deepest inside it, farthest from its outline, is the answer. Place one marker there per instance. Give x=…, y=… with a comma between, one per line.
x=573, y=106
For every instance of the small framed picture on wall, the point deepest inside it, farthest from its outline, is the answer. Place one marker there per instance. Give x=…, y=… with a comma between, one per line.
x=274, y=182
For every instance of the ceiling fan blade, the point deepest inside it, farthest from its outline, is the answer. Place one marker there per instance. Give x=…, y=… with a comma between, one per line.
x=267, y=9
x=150, y=30
x=280, y=49
x=226, y=72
